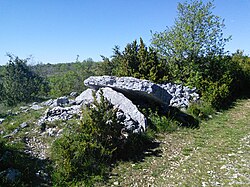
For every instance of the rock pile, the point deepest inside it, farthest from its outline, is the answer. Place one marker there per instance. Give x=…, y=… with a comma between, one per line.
x=36, y=107
x=60, y=113
x=145, y=91
x=182, y=96
x=124, y=93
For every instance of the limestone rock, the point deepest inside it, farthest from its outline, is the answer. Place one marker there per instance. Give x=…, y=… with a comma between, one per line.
x=23, y=125
x=134, y=120
x=133, y=88
x=15, y=131
x=60, y=113
x=62, y=101
x=48, y=103
x=24, y=108
x=182, y=96
x=36, y=107
x=73, y=94
x=1, y=120
x=86, y=97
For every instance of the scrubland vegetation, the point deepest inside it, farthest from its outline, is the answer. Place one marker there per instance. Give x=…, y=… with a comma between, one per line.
x=191, y=52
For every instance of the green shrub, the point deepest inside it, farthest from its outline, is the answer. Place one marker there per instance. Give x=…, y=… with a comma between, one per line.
x=243, y=63
x=201, y=110
x=135, y=146
x=218, y=93
x=138, y=61
x=64, y=84
x=161, y=123
x=220, y=80
x=20, y=83
x=83, y=153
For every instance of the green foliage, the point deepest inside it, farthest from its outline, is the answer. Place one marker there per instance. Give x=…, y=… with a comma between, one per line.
x=222, y=80
x=242, y=62
x=84, y=152
x=65, y=84
x=161, y=123
x=108, y=67
x=1, y=91
x=218, y=93
x=69, y=78
x=196, y=33
x=1, y=84
x=20, y=83
x=137, y=61
x=194, y=50
x=201, y=110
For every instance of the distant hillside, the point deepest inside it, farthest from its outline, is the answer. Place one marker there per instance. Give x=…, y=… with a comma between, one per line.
x=48, y=69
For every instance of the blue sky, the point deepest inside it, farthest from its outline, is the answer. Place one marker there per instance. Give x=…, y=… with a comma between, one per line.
x=54, y=31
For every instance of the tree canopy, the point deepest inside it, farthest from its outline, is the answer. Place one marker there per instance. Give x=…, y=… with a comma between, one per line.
x=136, y=60
x=196, y=33
x=19, y=82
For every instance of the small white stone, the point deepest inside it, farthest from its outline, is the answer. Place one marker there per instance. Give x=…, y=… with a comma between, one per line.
x=116, y=183
x=223, y=167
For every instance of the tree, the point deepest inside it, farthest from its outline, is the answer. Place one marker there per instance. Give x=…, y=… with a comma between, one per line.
x=1, y=91
x=196, y=34
x=1, y=85
x=107, y=67
x=66, y=83
x=138, y=61
x=20, y=83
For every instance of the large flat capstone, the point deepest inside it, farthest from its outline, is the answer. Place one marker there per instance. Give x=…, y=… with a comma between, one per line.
x=139, y=91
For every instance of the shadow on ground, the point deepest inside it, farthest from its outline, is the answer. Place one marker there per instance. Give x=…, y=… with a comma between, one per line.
x=20, y=169
x=184, y=119
x=139, y=146
x=136, y=148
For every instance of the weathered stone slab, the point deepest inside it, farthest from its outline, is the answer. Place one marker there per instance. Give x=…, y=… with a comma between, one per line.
x=142, y=91
x=86, y=97
x=134, y=120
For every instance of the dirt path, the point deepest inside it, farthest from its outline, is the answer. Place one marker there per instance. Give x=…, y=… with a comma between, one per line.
x=217, y=154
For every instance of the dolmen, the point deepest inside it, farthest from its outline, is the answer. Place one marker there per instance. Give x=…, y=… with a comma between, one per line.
x=127, y=95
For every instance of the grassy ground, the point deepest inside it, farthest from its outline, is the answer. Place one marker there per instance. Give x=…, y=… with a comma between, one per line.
x=216, y=154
